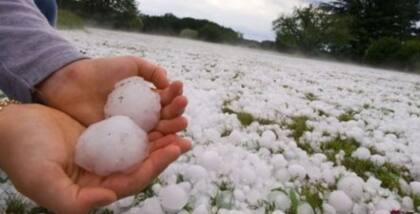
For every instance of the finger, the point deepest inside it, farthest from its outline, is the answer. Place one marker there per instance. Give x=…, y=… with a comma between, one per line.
x=61, y=195
x=155, y=136
x=175, y=109
x=163, y=142
x=169, y=93
x=151, y=72
x=184, y=144
x=172, y=126
x=125, y=185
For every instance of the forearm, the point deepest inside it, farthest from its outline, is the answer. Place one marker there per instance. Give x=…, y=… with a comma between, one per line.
x=31, y=50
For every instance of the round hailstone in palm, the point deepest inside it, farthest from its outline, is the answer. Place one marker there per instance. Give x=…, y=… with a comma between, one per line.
x=134, y=98
x=112, y=145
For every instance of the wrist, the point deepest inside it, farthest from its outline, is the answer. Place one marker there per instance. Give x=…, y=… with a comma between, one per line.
x=57, y=86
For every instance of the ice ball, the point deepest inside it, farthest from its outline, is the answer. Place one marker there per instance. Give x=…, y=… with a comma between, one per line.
x=173, y=198
x=112, y=145
x=134, y=98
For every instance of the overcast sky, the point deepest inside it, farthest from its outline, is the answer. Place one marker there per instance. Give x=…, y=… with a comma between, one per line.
x=253, y=18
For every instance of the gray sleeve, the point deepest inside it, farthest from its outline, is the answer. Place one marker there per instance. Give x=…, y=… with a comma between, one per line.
x=30, y=49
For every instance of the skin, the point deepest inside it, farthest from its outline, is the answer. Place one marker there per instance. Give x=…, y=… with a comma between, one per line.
x=38, y=142
x=39, y=161
x=81, y=89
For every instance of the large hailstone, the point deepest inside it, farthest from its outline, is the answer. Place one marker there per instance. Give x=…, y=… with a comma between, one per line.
x=112, y=145
x=134, y=98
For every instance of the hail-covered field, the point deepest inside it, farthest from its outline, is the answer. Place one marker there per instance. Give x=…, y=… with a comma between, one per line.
x=277, y=134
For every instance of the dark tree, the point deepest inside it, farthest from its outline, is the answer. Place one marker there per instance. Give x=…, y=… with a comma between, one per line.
x=375, y=19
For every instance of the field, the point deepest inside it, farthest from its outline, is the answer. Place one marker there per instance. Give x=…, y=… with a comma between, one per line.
x=277, y=134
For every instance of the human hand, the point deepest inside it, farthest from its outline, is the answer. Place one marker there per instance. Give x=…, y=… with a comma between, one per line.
x=37, y=149
x=81, y=89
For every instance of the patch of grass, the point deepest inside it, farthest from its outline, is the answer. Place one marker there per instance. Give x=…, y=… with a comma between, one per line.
x=147, y=193
x=179, y=178
x=226, y=133
x=69, y=20
x=388, y=173
x=345, y=117
x=336, y=145
x=298, y=127
x=294, y=202
x=245, y=118
x=269, y=207
x=3, y=180
x=416, y=202
x=311, y=194
x=322, y=113
x=310, y=96
x=15, y=204
x=305, y=146
x=40, y=210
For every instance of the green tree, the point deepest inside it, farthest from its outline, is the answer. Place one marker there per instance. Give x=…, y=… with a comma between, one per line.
x=313, y=31
x=375, y=19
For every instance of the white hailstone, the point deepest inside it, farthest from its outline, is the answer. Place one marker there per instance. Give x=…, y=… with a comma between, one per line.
x=405, y=187
x=112, y=145
x=282, y=201
x=407, y=203
x=340, y=201
x=201, y=209
x=267, y=139
x=151, y=206
x=297, y=171
x=134, y=98
x=282, y=175
x=195, y=173
x=361, y=153
x=352, y=186
x=388, y=204
x=360, y=209
x=279, y=161
x=378, y=159
x=415, y=187
x=278, y=212
x=173, y=198
x=328, y=209
x=305, y=208
x=373, y=183
x=125, y=202
x=381, y=212
x=210, y=160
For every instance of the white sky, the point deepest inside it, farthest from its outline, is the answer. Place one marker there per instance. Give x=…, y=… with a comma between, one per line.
x=253, y=18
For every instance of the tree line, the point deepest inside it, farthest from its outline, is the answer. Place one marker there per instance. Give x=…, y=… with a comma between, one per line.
x=378, y=32
x=124, y=14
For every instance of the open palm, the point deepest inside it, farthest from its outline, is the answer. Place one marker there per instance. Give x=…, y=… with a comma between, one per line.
x=40, y=163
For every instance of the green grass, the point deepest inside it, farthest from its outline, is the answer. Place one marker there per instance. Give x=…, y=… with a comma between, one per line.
x=416, y=202
x=69, y=20
x=294, y=202
x=345, y=117
x=310, y=96
x=246, y=118
x=40, y=210
x=388, y=173
x=15, y=204
x=311, y=194
x=336, y=145
x=298, y=127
